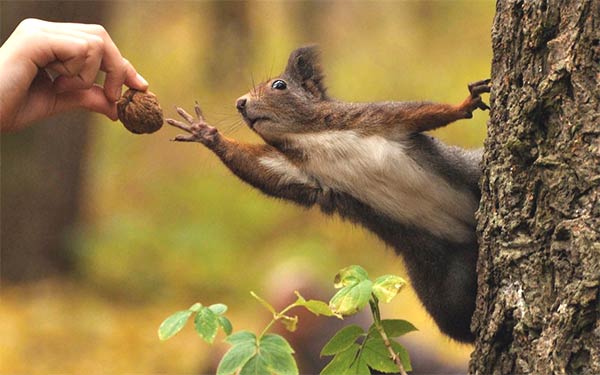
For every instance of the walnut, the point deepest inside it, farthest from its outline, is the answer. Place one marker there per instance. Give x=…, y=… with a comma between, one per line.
x=140, y=112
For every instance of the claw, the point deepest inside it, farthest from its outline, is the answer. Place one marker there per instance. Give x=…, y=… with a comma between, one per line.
x=198, y=110
x=185, y=115
x=184, y=138
x=479, y=87
x=179, y=124
x=477, y=90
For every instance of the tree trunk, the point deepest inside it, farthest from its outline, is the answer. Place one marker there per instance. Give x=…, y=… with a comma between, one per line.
x=41, y=167
x=539, y=220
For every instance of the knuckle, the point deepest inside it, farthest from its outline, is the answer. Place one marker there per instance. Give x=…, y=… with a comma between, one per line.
x=95, y=42
x=99, y=30
x=29, y=28
x=29, y=24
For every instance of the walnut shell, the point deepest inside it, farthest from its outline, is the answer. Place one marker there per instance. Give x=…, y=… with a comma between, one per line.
x=140, y=112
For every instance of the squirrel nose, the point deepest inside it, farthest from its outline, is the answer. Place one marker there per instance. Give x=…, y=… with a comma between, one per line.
x=241, y=104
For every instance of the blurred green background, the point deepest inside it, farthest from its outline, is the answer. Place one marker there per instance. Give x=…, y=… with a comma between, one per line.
x=105, y=233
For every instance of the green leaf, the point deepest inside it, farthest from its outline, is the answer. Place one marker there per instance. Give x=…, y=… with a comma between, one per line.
x=395, y=327
x=277, y=354
x=206, y=324
x=244, y=348
x=377, y=356
x=300, y=299
x=272, y=340
x=387, y=287
x=225, y=324
x=195, y=307
x=264, y=303
x=315, y=306
x=350, y=275
x=403, y=354
x=218, y=308
x=359, y=367
x=173, y=324
x=342, y=340
x=352, y=298
x=257, y=365
x=241, y=337
x=319, y=308
x=342, y=361
x=289, y=322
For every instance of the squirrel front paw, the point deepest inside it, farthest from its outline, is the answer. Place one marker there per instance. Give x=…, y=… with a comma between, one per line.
x=198, y=129
x=474, y=100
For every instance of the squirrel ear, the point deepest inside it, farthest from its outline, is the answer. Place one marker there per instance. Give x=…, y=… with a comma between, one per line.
x=304, y=67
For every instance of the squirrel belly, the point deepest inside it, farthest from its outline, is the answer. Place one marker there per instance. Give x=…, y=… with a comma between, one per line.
x=426, y=217
x=382, y=174
x=369, y=163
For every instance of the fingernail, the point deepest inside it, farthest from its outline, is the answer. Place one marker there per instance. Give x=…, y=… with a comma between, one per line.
x=118, y=93
x=141, y=79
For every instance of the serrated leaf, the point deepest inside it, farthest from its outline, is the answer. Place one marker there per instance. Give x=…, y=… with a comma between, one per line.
x=225, y=324
x=378, y=357
x=264, y=303
x=395, y=327
x=349, y=276
x=315, y=306
x=352, y=298
x=173, y=324
x=195, y=307
x=206, y=324
x=359, y=367
x=341, y=362
x=237, y=356
x=387, y=287
x=319, y=308
x=218, y=308
x=241, y=337
x=255, y=366
x=272, y=340
x=342, y=340
x=277, y=354
x=289, y=322
x=403, y=354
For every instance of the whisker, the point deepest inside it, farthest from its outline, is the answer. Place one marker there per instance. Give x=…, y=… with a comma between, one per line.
x=253, y=84
x=272, y=64
x=232, y=128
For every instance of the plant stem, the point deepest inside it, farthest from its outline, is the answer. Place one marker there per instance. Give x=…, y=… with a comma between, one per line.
x=276, y=317
x=373, y=302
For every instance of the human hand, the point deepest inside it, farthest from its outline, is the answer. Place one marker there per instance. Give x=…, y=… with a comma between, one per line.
x=74, y=54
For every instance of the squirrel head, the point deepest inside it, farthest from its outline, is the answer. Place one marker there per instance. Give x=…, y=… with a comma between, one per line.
x=290, y=102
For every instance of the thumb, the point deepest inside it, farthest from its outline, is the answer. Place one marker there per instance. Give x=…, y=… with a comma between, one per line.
x=92, y=99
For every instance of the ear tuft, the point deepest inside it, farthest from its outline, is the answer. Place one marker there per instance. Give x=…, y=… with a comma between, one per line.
x=304, y=67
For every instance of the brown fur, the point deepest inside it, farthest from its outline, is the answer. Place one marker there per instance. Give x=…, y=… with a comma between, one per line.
x=292, y=121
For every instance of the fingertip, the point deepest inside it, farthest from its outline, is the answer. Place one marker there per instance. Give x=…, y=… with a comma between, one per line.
x=112, y=112
x=142, y=81
x=133, y=79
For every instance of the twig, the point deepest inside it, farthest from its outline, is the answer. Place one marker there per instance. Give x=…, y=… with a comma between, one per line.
x=386, y=341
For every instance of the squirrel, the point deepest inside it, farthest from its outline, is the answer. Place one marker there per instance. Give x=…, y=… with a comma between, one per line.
x=371, y=164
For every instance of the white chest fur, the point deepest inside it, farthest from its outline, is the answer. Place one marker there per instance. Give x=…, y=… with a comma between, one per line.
x=378, y=172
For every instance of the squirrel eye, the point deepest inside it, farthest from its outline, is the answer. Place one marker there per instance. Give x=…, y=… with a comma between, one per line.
x=279, y=85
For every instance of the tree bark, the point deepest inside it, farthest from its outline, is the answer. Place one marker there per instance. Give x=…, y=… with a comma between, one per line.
x=539, y=220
